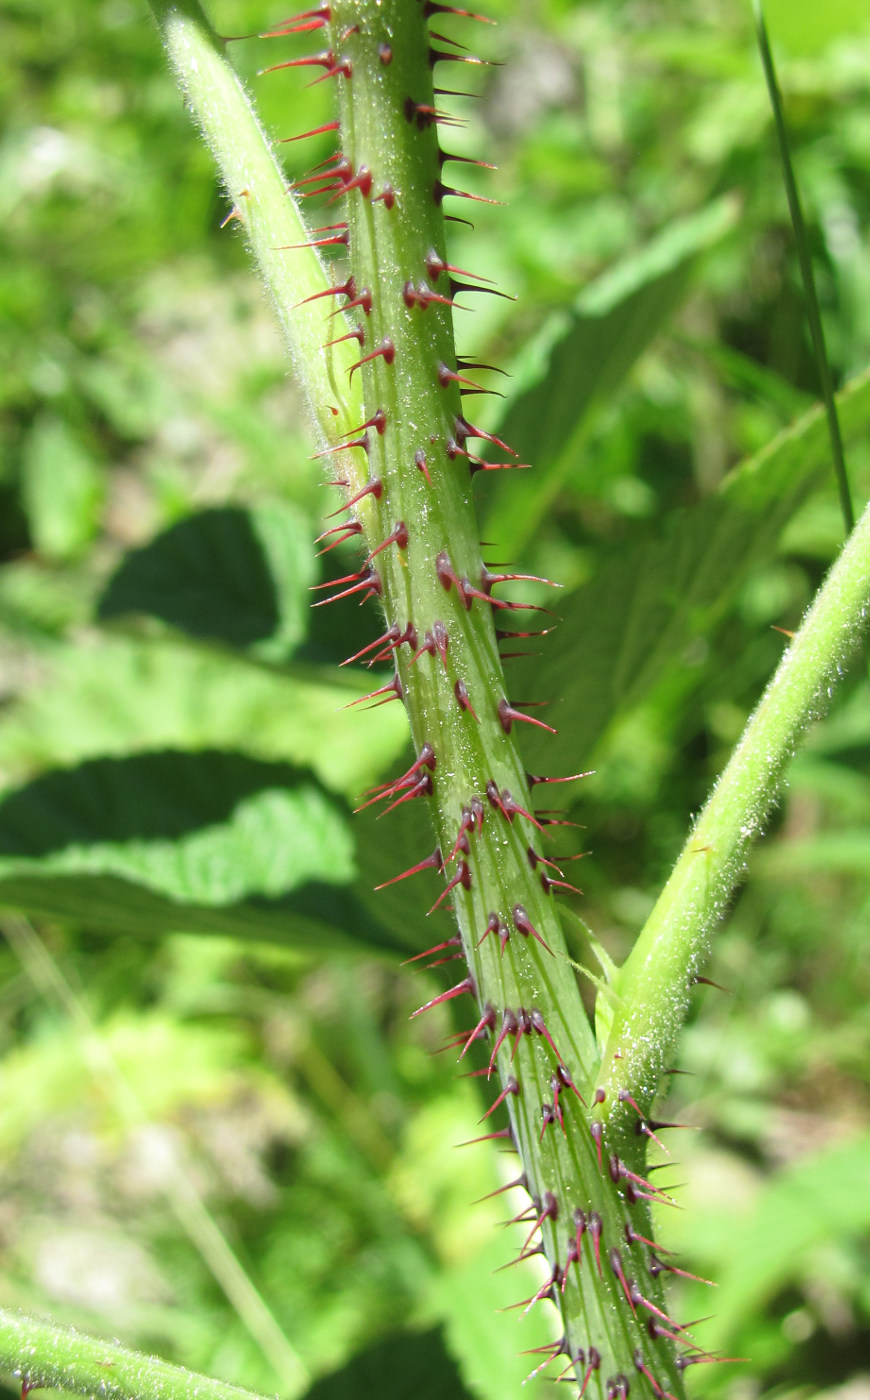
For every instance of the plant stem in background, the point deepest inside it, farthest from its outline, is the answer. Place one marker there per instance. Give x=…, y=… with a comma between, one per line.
x=814, y=315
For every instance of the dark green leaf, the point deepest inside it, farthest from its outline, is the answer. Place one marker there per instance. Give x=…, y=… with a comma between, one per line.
x=581, y=356
x=645, y=607
x=199, y=842
x=227, y=574
x=408, y=1364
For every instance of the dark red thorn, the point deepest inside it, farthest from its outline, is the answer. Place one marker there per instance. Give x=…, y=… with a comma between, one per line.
x=425, y=115
x=378, y=420
x=457, y=288
x=509, y=1026
x=420, y=463
x=331, y=583
x=398, y=537
x=449, y=376
x=408, y=637
x=393, y=691
x=315, y=131
x=494, y=925
x=567, y=1082
x=580, y=1228
x=386, y=351
x=422, y=788
x=316, y=243
x=524, y=925
x=549, y=1114
x=499, y=1190
x=423, y=296
x=373, y=488
x=546, y=1290
x=433, y=862
x=362, y=181
x=640, y=1365
x=672, y=1269
x=346, y=289
x=600, y=1096
x=487, y=1137
x=362, y=442
x=465, y=430
x=593, y=1365
x=511, y=1087
x=596, y=1227
x=435, y=641
x=455, y=942
x=466, y=985
x=548, y=884
x=314, y=60
x=464, y=362
x=387, y=196
x=364, y=300
x=596, y=1129
x=462, y=877
x=445, y=572
x=535, y=860
x=486, y=1022
x=344, y=532
x=287, y=26
x=707, y=982
x=632, y=1237
x=539, y=1027
x=615, y=1259
x=426, y=759
x=549, y=1210
x=358, y=335
x=489, y=580
x=392, y=636
x=370, y=581
x=433, y=7
x=441, y=56
x=445, y=156
x=656, y=1330
x=507, y=715
x=640, y=1300
x=520, y=1259
x=511, y=808
x=435, y=265
x=502, y=636
x=461, y=692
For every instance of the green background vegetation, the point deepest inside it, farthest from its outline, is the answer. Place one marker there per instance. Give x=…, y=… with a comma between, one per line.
x=209, y=1086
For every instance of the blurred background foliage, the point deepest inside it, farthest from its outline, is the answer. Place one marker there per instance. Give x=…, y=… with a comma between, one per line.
x=219, y=1137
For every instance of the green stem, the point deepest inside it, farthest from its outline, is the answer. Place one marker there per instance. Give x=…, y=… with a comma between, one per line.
x=41, y=1356
x=269, y=214
x=654, y=982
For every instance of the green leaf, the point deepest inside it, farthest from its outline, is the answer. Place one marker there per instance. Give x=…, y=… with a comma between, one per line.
x=802, y=1209
x=407, y=1364
x=61, y=490
x=580, y=357
x=645, y=607
x=196, y=842
x=226, y=574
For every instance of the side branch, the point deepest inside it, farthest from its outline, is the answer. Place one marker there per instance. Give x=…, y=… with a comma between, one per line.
x=279, y=239
x=40, y=1356
x=655, y=981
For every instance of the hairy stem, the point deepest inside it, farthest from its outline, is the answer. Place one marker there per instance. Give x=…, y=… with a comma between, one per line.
x=40, y=1356
x=655, y=980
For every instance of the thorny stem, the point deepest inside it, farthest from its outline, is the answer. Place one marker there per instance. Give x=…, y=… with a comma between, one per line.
x=40, y=1356
x=393, y=394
